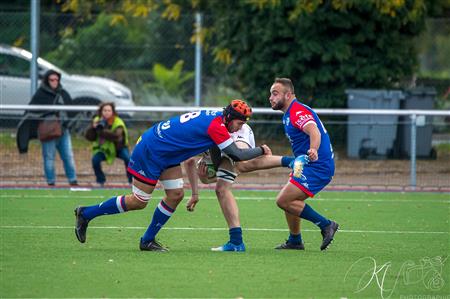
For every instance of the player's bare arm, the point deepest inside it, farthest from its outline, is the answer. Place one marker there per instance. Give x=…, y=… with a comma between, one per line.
x=189, y=166
x=314, y=140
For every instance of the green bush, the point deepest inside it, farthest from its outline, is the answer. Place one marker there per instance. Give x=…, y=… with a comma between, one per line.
x=323, y=48
x=170, y=81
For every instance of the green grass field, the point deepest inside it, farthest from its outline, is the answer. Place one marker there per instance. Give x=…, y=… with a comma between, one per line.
x=391, y=245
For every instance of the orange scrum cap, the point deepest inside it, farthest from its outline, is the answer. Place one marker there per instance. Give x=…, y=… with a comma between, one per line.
x=237, y=109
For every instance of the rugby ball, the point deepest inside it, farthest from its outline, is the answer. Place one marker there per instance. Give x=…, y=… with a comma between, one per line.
x=210, y=171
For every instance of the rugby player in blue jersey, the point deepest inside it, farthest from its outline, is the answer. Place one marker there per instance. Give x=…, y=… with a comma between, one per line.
x=157, y=157
x=307, y=136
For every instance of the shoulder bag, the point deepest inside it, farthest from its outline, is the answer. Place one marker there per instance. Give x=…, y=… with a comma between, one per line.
x=49, y=128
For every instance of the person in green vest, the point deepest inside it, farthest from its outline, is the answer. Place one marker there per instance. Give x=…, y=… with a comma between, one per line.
x=110, y=140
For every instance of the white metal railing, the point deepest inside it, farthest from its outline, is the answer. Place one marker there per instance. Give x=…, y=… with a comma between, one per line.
x=416, y=116
x=256, y=110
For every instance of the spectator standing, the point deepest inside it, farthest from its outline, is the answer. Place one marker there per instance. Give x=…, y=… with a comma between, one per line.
x=51, y=92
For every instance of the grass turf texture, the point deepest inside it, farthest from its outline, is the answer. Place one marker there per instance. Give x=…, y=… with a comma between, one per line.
x=40, y=256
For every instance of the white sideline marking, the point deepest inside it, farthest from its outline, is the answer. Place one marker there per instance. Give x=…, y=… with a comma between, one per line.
x=50, y=196
x=216, y=229
x=262, y=198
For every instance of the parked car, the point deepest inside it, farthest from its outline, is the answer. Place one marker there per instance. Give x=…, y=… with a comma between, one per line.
x=15, y=84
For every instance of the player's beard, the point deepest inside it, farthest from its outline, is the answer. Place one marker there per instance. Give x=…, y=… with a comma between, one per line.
x=278, y=105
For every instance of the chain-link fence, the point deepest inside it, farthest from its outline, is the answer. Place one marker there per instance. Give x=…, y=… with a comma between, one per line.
x=142, y=59
x=368, y=169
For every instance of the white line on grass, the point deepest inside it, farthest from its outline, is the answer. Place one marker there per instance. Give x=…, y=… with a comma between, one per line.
x=261, y=198
x=217, y=229
x=49, y=196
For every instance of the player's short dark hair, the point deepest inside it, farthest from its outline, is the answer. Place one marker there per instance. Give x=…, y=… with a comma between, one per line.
x=286, y=82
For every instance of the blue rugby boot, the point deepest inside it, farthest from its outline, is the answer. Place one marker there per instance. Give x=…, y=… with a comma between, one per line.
x=230, y=247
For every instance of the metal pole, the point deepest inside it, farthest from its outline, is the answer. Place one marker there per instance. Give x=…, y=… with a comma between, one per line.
x=198, y=59
x=413, y=149
x=35, y=5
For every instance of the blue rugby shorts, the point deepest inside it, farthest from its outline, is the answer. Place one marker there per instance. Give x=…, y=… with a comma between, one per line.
x=315, y=176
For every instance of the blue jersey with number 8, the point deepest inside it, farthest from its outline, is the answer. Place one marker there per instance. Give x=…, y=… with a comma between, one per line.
x=187, y=135
x=171, y=142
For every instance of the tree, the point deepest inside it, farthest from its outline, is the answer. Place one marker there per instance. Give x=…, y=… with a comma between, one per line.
x=325, y=46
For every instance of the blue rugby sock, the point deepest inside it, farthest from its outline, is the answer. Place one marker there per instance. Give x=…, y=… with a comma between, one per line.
x=113, y=205
x=286, y=160
x=160, y=216
x=309, y=214
x=236, y=235
x=295, y=239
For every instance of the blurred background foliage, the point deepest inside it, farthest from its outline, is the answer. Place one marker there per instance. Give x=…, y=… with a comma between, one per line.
x=325, y=46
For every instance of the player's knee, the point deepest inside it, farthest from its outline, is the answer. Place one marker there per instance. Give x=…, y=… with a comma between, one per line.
x=178, y=194
x=282, y=204
x=175, y=196
x=221, y=188
x=242, y=167
x=134, y=203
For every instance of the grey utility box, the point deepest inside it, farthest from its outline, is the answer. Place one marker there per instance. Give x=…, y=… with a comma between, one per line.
x=420, y=98
x=372, y=136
